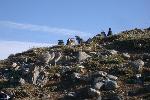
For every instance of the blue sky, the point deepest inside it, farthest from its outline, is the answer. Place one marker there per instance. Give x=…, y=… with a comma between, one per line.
x=40, y=22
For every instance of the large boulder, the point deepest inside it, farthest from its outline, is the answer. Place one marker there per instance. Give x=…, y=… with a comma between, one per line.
x=111, y=77
x=137, y=65
x=98, y=85
x=82, y=56
x=110, y=85
x=99, y=98
x=42, y=79
x=35, y=74
x=58, y=56
x=99, y=79
x=46, y=57
x=100, y=74
x=39, y=76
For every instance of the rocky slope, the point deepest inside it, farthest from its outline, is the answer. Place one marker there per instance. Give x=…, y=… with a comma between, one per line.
x=105, y=68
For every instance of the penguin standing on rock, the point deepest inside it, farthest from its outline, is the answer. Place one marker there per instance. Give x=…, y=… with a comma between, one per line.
x=109, y=32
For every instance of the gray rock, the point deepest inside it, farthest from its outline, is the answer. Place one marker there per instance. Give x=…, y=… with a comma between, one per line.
x=36, y=76
x=98, y=85
x=52, y=55
x=93, y=92
x=113, y=96
x=42, y=79
x=85, y=78
x=17, y=68
x=100, y=73
x=36, y=73
x=137, y=65
x=99, y=98
x=45, y=57
x=111, y=77
x=58, y=57
x=99, y=79
x=118, y=97
x=110, y=85
x=82, y=56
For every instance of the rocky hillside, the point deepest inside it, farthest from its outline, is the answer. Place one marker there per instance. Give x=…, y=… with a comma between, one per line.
x=102, y=68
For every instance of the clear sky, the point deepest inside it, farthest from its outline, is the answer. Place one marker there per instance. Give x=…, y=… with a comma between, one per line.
x=45, y=21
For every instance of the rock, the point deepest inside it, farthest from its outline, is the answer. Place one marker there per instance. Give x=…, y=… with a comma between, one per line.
x=52, y=55
x=98, y=85
x=110, y=85
x=111, y=77
x=99, y=98
x=36, y=73
x=146, y=56
x=17, y=68
x=93, y=92
x=118, y=97
x=45, y=57
x=114, y=96
x=85, y=78
x=99, y=79
x=137, y=65
x=4, y=96
x=58, y=57
x=126, y=55
x=100, y=73
x=44, y=96
x=82, y=56
x=42, y=79
x=37, y=76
